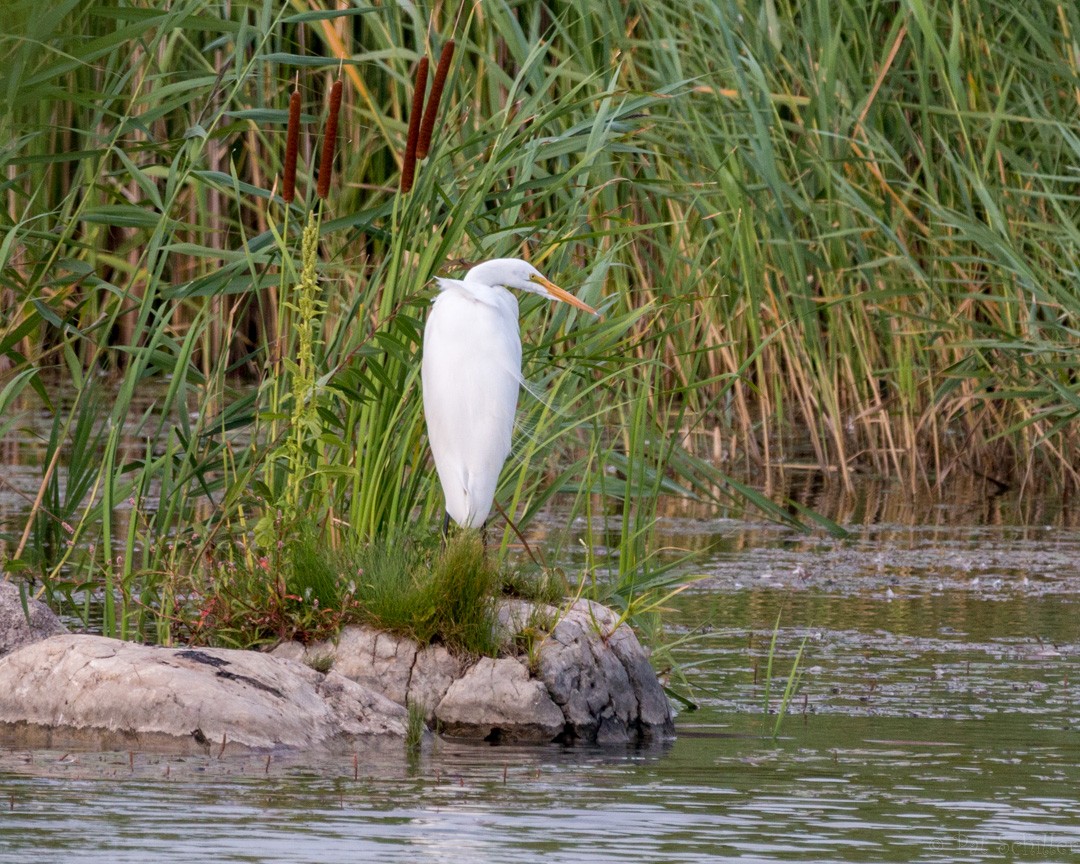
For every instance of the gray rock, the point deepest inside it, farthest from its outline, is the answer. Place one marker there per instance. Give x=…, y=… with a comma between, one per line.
x=394, y=666
x=375, y=659
x=16, y=629
x=599, y=675
x=592, y=671
x=294, y=651
x=432, y=674
x=74, y=690
x=595, y=683
x=496, y=700
x=514, y=616
x=591, y=668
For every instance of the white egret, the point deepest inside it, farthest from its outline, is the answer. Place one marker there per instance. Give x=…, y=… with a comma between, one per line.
x=471, y=374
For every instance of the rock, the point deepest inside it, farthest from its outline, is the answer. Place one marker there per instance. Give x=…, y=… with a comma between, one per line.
x=593, y=683
x=16, y=629
x=514, y=616
x=592, y=670
x=394, y=666
x=294, y=651
x=496, y=700
x=598, y=674
x=654, y=715
x=74, y=690
x=434, y=672
x=370, y=657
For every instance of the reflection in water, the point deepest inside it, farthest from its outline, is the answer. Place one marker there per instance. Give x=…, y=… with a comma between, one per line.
x=854, y=789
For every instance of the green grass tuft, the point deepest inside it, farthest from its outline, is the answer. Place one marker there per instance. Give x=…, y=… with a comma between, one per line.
x=544, y=586
x=308, y=592
x=449, y=600
x=415, y=728
x=321, y=662
x=313, y=575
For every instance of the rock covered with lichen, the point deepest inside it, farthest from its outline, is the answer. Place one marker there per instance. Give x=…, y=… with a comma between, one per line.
x=597, y=672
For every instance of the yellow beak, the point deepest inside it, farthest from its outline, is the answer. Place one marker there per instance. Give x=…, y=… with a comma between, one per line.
x=566, y=297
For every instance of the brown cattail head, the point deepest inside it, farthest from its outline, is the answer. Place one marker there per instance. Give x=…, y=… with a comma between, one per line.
x=292, y=144
x=432, y=107
x=326, y=163
x=408, y=168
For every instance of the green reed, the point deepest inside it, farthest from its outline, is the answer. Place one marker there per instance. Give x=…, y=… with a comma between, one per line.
x=870, y=241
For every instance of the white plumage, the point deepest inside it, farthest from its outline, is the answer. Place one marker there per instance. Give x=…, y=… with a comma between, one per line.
x=471, y=375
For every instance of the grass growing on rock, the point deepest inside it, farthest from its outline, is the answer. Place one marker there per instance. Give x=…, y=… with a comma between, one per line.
x=452, y=601
x=445, y=595
x=547, y=585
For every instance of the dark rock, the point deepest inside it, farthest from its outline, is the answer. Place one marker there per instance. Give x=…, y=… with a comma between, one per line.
x=599, y=675
x=16, y=628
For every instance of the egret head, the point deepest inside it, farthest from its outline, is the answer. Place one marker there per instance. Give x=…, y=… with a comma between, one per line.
x=522, y=276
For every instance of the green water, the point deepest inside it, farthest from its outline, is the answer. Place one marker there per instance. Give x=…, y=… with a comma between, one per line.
x=846, y=789
x=937, y=718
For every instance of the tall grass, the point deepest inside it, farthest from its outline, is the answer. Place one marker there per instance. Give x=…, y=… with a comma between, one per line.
x=854, y=222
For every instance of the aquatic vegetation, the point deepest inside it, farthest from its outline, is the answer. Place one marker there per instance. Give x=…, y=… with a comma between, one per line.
x=414, y=735
x=245, y=595
x=871, y=241
x=446, y=595
x=791, y=685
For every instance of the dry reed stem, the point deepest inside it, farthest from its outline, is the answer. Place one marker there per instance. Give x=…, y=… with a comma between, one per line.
x=326, y=164
x=37, y=505
x=432, y=107
x=408, y=168
x=292, y=145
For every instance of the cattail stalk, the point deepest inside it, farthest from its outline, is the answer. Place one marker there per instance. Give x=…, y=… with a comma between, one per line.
x=408, y=168
x=292, y=145
x=432, y=107
x=326, y=164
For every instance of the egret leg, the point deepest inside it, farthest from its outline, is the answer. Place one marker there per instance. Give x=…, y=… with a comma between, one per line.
x=520, y=536
x=445, y=527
